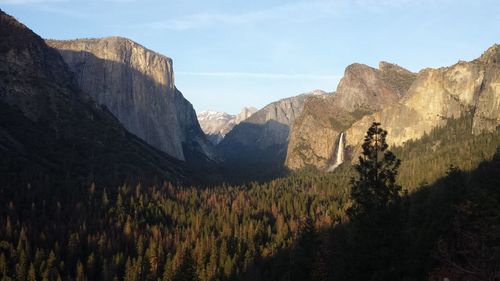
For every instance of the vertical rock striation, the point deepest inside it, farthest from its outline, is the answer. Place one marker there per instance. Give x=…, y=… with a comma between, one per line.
x=362, y=90
x=439, y=94
x=50, y=130
x=263, y=137
x=137, y=86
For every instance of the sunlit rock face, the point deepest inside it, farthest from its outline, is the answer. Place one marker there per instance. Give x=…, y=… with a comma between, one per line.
x=216, y=124
x=263, y=137
x=437, y=94
x=315, y=135
x=369, y=88
x=137, y=86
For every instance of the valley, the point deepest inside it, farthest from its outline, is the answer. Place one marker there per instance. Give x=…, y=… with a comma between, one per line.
x=108, y=173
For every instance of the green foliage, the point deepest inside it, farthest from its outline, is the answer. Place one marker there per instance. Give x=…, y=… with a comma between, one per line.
x=375, y=187
x=291, y=228
x=427, y=159
x=141, y=233
x=186, y=270
x=419, y=238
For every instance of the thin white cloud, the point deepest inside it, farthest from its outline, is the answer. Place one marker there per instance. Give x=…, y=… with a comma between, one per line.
x=294, y=12
x=259, y=75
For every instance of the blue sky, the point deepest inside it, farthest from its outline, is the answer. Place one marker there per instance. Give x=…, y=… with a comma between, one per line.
x=229, y=53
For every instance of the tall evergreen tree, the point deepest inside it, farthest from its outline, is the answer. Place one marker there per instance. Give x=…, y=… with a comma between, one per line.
x=375, y=187
x=377, y=235
x=80, y=273
x=31, y=273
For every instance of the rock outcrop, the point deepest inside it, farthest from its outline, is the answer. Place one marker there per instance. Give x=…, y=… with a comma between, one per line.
x=217, y=124
x=315, y=135
x=137, y=86
x=244, y=114
x=438, y=94
x=263, y=137
x=51, y=130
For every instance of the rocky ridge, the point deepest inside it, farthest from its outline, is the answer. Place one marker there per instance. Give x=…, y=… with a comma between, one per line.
x=437, y=95
x=217, y=124
x=137, y=86
x=316, y=133
x=50, y=129
x=263, y=136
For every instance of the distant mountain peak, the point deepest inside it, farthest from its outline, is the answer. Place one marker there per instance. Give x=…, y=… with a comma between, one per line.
x=385, y=66
x=317, y=92
x=217, y=124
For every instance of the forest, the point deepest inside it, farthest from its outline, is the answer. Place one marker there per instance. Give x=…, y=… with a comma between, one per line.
x=443, y=222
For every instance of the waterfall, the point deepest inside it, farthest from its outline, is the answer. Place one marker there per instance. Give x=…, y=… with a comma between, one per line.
x=339, y=156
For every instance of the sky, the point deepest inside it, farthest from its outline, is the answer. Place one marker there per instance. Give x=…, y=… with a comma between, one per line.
x=229, y=54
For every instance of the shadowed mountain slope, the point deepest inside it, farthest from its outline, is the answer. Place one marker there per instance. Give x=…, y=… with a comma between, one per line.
x=50, y=128
x=137, y=86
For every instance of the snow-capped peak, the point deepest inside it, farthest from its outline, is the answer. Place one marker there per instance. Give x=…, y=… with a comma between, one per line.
x=217, y=124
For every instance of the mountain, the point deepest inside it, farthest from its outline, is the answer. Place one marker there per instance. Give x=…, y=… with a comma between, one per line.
x=51, y=129
x=316, y=134
x=244, y=114
x=137, y=86
x=438, y=95
x=263, y=137
x=217, y=124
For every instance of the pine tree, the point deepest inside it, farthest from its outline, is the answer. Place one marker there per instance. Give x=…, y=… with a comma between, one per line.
x=151, y=257
x=31, y=273
x=377, y=234
x=80, y=274
x=3, y=264
x=104, y=199
x=21, y=266
x=168, y=270
x=187, y=269
x=131, y=272
x=375, y=188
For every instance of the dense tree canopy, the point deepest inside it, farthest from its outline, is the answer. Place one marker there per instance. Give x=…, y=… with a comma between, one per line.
x=291, y=228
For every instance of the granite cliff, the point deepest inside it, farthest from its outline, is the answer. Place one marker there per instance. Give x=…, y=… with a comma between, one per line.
x=52, y=131
x=263, y=137
x=315, y=135
x=137, y=86
x=437, y=95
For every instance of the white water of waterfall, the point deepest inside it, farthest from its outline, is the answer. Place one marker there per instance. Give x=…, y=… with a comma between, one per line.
x=339, y=157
